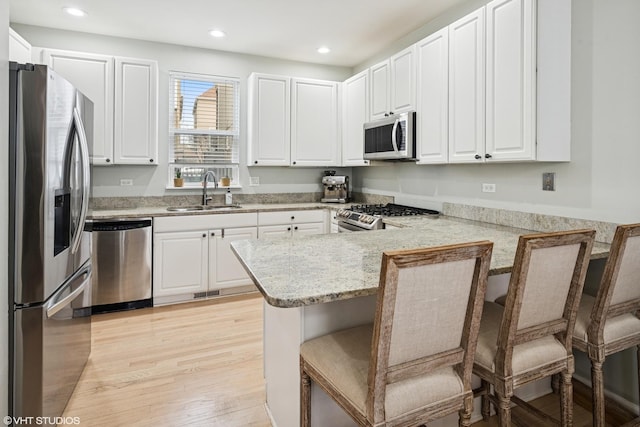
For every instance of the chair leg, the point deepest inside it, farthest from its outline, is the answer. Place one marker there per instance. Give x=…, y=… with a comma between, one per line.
x=485, y=403
x=566, y=400
x=305, y=399
x=555, y=383
x=504, y=410
x=597, y=394
x=464, y=419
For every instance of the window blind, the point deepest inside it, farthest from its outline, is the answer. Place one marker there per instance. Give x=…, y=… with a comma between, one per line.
x=204, y=119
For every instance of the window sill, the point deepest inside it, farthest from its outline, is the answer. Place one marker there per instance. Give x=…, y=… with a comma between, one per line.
x=199, y=187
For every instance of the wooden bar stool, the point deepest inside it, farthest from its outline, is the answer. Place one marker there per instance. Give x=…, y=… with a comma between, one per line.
x=609, y=322
x=413, y=364
x=530, y=337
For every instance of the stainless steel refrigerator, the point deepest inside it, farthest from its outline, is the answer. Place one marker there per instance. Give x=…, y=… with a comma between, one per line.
x=49, y=249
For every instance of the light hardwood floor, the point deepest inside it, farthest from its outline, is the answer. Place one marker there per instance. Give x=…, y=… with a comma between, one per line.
x=195, y=364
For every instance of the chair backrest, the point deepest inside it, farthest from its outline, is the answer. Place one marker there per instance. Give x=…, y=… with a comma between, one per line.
x=428, y=315
x=619, y=291
x=544, y=290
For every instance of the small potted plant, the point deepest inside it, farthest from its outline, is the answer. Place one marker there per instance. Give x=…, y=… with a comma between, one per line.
x=178, y=181
x=225, y=181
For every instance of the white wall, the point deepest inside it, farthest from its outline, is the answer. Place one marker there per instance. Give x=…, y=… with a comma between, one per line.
x=150, y=180
x=603, y=179
x=4, y=186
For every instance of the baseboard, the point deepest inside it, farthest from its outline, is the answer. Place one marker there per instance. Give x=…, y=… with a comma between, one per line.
x=619, y=410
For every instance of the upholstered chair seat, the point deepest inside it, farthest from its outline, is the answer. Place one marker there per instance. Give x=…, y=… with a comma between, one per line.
x=609, y=322
x=413, y=364
x=529, y=337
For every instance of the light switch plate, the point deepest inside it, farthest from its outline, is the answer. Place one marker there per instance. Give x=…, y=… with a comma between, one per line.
x=488, y=188
x=126, y=182
x=549, y=181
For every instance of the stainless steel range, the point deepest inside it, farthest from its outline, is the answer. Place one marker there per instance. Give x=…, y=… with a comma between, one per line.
x=370, y=217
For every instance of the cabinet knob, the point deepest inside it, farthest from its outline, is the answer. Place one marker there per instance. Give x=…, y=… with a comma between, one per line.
x=213, y=234
x=294, y=163
x=204, y=234
x=288, y=228
x=295, y=228
x=150, y=160
x=487, y=156
x=386, y=114
x=255, y=162
x=293, y=217
x=478, y=157
x=108, y=160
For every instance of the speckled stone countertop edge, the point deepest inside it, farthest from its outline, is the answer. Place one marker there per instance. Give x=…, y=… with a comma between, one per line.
x=162, y=210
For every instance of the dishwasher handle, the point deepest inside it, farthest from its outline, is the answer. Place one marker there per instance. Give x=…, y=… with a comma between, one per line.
x=120, y=225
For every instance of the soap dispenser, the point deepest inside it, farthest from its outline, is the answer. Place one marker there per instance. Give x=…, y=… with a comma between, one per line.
x=228, y=198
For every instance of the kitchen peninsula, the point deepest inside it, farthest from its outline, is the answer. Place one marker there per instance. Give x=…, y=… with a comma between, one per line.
x=325, y=283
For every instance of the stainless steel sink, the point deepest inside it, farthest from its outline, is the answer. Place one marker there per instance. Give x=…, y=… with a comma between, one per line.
x=196, y=208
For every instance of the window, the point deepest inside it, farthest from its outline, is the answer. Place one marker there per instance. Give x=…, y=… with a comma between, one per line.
x=203, y=127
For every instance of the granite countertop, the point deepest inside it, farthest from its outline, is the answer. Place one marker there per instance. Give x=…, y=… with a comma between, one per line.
x=295, y=272
x=157, y=211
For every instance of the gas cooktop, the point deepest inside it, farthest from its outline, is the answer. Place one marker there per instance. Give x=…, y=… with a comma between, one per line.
x=391, y=209
x=369, y=217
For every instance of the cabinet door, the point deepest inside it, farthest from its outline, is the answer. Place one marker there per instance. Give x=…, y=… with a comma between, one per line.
x=466, y=88
x=268, y=231
x=19, y=48
x=309, y=228
x=180, y=263
x=93, y=76
x=403, y=81
x=314, y=123
x=228, y=270
x=136, y=112
x=433, y=98
x=355, y=112
x=510, y=80
x=380, y=90
x=269, y=120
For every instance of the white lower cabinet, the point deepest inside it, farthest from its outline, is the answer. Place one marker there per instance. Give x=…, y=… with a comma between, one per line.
x=192, y=256
x=291, y=223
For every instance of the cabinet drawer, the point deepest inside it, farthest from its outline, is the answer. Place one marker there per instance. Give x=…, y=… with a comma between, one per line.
x=204, y=222
x=291, y=217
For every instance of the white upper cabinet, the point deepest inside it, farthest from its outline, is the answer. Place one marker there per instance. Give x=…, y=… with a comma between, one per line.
x=124, y=94
x=432, y=131
x=380, y=86
x=314, y=123
x=466, y=88
x=136, y=111
x=403, y=81
x=19, y=48
x=293, y=122
x=269, y=119
x=510, y=87
x=355, y=112
x=392, y=85
x=92, y=74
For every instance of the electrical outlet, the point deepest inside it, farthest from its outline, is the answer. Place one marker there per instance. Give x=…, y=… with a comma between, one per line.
x=254, y=181
x=126, y=182
x=549, y=181
x=488, y=188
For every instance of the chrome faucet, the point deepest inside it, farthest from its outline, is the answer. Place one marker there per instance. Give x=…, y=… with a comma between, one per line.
x=205, y=177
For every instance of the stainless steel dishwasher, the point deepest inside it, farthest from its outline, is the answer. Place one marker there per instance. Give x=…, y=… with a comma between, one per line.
x=121, y=264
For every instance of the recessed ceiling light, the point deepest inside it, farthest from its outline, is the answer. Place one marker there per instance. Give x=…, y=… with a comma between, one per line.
x=217, y=33
x=74, y=11
x=324, y=50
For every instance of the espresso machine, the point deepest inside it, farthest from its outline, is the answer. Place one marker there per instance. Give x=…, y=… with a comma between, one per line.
x=336, y=188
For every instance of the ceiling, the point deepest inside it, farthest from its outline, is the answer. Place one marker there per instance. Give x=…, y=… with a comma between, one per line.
x=354, y=30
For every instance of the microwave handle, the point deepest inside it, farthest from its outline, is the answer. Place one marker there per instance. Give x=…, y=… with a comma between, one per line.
x=394, y=131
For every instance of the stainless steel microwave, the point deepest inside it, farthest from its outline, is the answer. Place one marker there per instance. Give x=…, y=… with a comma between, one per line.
x=391, y=138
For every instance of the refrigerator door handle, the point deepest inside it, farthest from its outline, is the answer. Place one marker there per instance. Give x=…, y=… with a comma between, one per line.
x=59, y=305
x=84, y=153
